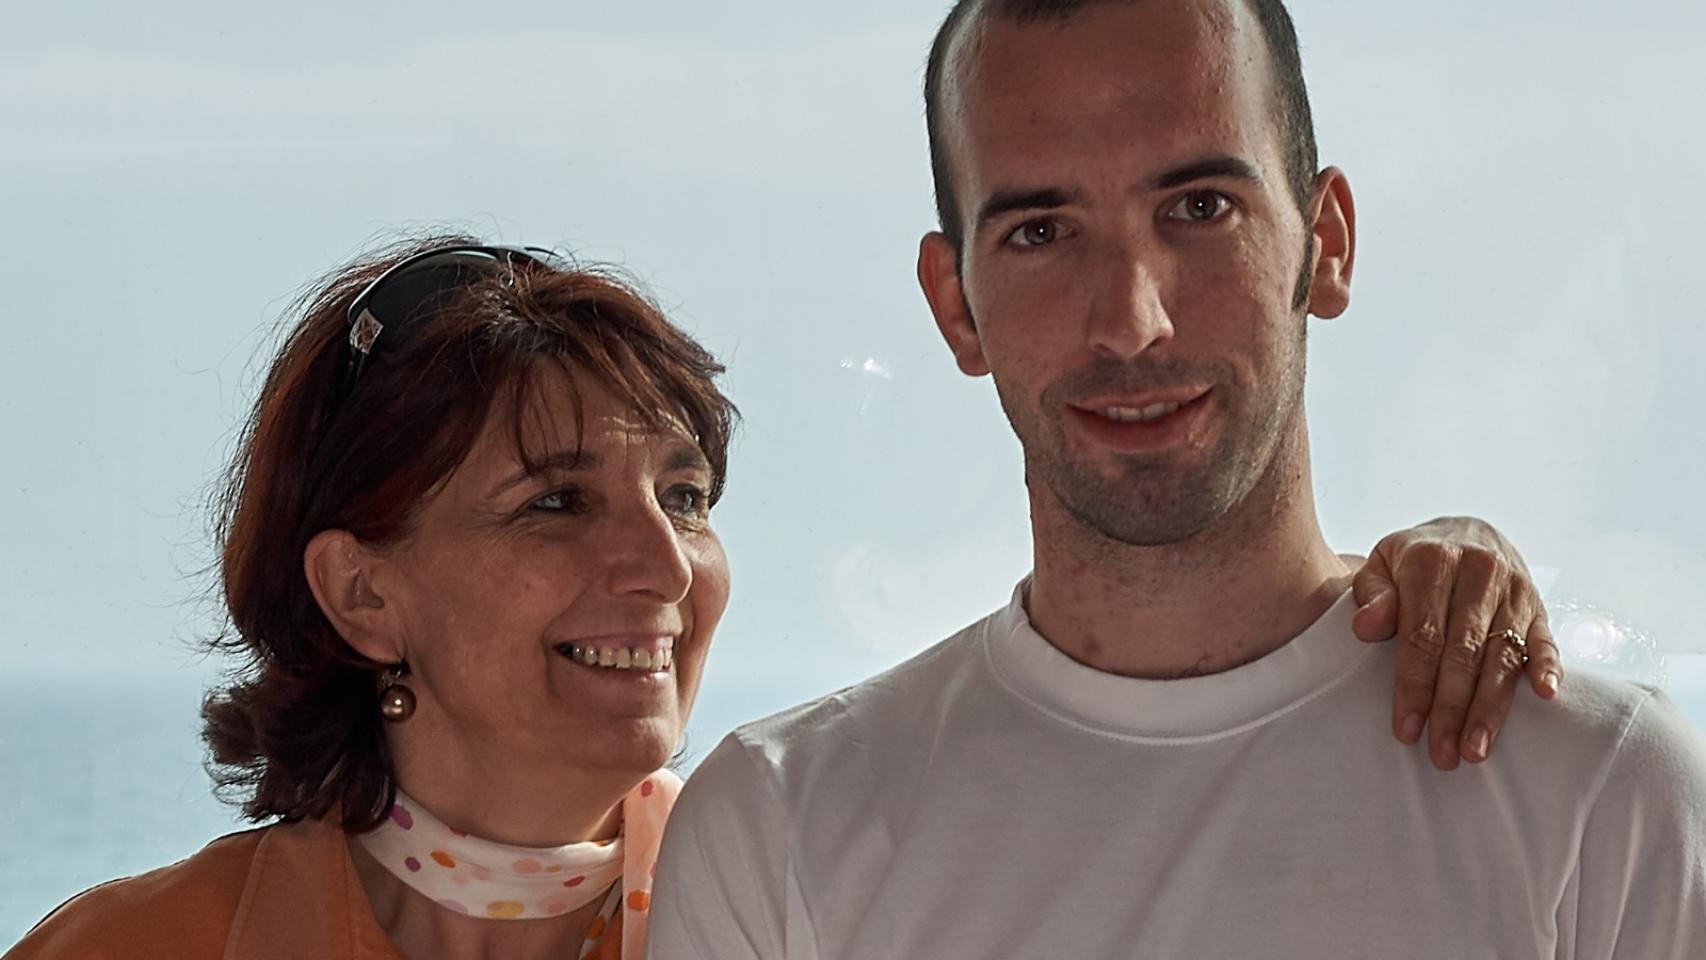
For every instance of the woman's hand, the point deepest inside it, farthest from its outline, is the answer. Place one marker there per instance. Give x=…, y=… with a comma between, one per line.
x=1448, y=589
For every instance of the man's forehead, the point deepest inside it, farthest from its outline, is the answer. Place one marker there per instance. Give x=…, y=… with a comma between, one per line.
x=1157, y=62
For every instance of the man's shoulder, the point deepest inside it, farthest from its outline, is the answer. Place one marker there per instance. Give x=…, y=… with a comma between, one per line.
x=877, y=706
x=1652, y=741
x=1594, y=709
x=1602, y=727
x=181, y=910
x=840, y=734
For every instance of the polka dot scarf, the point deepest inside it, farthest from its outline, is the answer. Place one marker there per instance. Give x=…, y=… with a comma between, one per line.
x=485, y=879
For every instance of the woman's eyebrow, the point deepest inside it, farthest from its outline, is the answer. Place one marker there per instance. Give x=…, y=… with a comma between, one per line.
x=562, y=461
x=687, y=456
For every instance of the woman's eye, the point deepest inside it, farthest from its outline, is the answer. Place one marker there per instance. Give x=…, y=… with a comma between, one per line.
x=1201, y=206
x=560, y=501
x=1034, y=233
x=688, y=500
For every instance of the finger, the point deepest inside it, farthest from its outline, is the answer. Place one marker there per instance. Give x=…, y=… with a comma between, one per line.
x=1545, y=664
x=1377, y=599
x=1501, y=666
x=1423, y=579
x=1477, y=593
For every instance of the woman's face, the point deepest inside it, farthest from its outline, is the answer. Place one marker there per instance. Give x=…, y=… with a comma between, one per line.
x=511, y=581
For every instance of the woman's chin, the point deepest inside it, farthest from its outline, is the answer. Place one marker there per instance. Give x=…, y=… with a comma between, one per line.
x=635, y=746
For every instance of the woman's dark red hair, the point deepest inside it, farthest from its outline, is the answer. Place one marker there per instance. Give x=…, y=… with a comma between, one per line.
x=298, y=734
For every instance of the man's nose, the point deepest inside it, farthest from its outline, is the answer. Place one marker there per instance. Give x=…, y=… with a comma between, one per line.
x=646, y=557
x=1127, y=314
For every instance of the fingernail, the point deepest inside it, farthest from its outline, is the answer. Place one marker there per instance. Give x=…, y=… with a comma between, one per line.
x=1479, y=742
x=1411, y=729
x=1550, y=682
x=1449, y=748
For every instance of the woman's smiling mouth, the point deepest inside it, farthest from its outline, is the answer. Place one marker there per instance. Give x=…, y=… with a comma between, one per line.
x=652, y=656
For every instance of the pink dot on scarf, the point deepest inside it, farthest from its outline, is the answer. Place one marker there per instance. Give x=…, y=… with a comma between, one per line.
x=403, y=817
x=554, y=907
x=646, y=789
x=413, y=865
x=526, y=865
x=574, y=881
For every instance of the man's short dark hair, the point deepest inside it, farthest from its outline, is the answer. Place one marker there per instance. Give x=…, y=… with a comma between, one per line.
x=1297, y=123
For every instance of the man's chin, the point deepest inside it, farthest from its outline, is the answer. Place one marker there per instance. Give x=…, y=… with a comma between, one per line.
x=1143, y=518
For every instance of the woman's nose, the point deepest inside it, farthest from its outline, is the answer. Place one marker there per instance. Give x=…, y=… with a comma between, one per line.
x=646, y=555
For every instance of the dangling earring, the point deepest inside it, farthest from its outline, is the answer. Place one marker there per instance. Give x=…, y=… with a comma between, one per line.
x=396, y=702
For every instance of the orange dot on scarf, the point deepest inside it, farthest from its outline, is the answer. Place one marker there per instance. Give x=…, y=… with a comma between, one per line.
x=596, y=929
x=443, y=859
x=639, y=900
x=504, y=910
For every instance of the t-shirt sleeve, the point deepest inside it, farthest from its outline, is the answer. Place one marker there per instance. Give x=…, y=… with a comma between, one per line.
x=1641, y=885
x=723, y=888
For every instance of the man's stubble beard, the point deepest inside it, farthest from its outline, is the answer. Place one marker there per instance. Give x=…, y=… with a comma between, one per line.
x=1154, y=503
x=1151, y=503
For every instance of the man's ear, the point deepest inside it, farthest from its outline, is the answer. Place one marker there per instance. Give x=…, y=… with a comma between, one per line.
x=939, y=277
x=1333, y=223
x=339, y=568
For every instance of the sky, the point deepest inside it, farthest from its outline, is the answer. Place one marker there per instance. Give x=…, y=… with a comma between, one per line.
x=1523, y=342
x=1522, y=345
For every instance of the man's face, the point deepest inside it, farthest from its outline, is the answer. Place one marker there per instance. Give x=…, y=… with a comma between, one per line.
x=1134, y=269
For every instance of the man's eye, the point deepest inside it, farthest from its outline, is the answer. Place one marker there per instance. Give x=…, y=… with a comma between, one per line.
x=1034, y=233
x=1201, y=206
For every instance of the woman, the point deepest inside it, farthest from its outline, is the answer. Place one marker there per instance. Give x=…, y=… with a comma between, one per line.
x=468, y=560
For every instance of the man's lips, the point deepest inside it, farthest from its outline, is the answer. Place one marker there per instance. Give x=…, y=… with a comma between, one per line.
x=1143, y=422
x=1147, y=405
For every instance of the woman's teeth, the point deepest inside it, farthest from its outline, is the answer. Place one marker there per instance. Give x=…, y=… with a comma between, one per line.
x=619, y=658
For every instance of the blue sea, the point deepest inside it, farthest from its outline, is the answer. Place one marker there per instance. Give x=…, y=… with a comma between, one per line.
x=104, y=778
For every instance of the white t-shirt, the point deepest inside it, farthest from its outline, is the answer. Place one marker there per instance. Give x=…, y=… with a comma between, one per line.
x=994, y=798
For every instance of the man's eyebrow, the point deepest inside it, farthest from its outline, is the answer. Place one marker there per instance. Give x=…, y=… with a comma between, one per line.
x=1022, y=198
x=1211, y=168
x=565, y=461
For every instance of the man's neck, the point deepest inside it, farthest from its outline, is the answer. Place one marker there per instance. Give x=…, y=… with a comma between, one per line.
x=1234, y=593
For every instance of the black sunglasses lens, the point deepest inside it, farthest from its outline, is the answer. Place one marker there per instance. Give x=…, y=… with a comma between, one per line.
x=421, y=287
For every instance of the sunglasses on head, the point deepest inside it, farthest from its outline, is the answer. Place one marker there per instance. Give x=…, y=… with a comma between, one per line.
x=412, y=287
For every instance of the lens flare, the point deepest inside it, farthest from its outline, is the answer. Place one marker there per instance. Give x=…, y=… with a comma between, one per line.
x=1603, y=640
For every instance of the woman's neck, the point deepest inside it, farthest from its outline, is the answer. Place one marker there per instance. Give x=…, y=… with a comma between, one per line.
x=505, y=800
x=423, y=930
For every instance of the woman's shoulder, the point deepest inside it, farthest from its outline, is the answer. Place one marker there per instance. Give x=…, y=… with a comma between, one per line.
x=183, y=911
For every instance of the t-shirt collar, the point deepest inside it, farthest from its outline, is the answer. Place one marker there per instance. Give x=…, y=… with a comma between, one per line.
x=1187, y=709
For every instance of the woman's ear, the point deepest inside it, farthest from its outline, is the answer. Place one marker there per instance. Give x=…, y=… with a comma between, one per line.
x=339, y=568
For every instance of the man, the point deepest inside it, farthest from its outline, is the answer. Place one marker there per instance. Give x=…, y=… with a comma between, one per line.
x=1162, y=746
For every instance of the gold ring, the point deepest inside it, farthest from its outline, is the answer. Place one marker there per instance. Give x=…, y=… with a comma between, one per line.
x=1514, y=639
